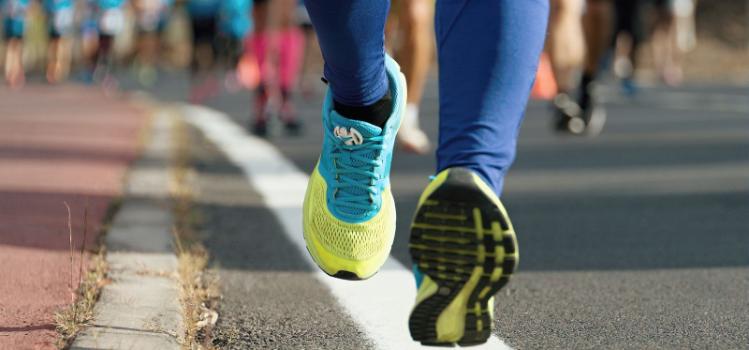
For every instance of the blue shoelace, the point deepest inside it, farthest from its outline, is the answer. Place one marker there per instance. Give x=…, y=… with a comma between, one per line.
x=354, y=169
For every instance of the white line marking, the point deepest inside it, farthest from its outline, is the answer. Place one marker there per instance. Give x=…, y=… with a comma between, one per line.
x=680, y=100
x=379, y=305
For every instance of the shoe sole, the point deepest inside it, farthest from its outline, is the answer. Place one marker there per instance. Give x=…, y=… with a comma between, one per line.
x=459, y=236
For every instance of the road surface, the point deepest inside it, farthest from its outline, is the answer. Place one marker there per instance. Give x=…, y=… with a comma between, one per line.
x=636, y=239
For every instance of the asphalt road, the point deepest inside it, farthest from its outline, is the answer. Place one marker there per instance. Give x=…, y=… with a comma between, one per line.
x=636, y=239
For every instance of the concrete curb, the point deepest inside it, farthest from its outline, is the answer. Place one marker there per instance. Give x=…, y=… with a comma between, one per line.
x=140, y=309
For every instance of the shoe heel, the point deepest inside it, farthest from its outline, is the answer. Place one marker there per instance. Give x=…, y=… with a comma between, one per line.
x=465, y=244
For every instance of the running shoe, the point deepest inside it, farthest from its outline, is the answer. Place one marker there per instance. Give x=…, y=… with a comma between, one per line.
x=411, y=138
x=586, y=116
x=594, y=114
x=349, y=212
x=568, y=115
x=463, y=249
x=293, y=127
x=414, y=140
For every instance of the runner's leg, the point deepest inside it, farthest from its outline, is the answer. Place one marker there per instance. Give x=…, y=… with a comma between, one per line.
x=351, y=36
x=349, y=211
x=488, y=54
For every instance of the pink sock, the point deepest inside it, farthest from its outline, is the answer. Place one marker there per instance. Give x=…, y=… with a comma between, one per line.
x=291, y=51
x=260, y=44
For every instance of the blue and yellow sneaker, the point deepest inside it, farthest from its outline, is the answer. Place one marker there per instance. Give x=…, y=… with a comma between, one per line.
x=349, y=212
x=464, y=250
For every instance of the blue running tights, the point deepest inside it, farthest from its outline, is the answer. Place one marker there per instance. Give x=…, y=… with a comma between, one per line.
x=488, y=54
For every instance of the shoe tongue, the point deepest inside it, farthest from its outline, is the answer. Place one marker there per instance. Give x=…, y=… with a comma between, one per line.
x=367, y=130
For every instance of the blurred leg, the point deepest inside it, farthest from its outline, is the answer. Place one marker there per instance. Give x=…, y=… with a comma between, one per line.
x=258, y=42
x=488, y=54
x=415, y=52
x=415, y=19
x=597, y=25
x=291, y=46
x=14, y=74
x=626, y=34
x=14, y=30
x=565, y=43
x=664, y=44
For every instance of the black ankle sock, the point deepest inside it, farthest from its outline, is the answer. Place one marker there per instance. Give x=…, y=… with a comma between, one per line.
x=375, y=114
x=584, y=98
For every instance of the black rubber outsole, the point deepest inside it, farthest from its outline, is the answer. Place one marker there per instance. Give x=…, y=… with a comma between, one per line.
x=445, y=244
x=343, y=274
x=347, y=275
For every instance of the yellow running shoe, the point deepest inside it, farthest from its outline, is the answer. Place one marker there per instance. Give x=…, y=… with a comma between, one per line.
x=349, y=212
x=464, y=249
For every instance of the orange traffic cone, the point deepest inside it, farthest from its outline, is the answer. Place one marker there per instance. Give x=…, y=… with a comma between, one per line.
x=545, y=87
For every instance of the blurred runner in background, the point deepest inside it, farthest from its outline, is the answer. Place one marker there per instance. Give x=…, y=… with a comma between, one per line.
x=60, y=23
x=151, y=19
x=308, y=76
x=565, y=43
x=218, y=32
x=204, y=24
x=673, y=35
x=110, y=20
x=14, y=21
x=580, y=34
x=628, y=35
x=278, y=45
x=234, y=26
x=411, y=26
x=89, y=31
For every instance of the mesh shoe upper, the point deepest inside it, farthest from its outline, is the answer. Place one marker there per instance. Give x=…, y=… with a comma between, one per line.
x=350, y=240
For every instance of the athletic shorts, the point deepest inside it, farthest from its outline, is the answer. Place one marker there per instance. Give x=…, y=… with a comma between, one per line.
x=666, y=5
x=153, y=19
x=60, y=22
x=204, y=30
x=111, y=21
x=14, y=18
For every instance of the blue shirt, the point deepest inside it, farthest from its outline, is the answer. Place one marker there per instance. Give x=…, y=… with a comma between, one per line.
x=235, y=17
x=111, y=4
x=57, y=5
x=203, y=8
x=14, y=8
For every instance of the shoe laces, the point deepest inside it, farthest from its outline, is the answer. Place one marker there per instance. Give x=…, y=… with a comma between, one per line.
x=355, y=161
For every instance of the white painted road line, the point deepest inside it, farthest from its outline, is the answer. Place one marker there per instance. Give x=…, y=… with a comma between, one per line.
x=681, y=100
x=379, y=305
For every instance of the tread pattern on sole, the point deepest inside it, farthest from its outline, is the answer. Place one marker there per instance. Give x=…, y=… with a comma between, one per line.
x=458, y=231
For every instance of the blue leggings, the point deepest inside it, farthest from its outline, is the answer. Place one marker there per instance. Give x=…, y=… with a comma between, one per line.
x=488, y=54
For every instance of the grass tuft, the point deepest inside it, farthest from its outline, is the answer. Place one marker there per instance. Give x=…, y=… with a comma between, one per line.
x=199, y=286
x=72, y=319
